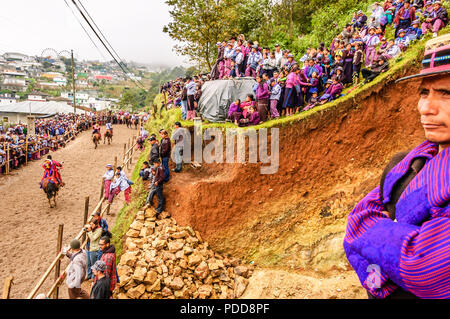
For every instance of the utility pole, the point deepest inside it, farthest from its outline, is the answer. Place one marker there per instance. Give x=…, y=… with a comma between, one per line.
x=73, y=85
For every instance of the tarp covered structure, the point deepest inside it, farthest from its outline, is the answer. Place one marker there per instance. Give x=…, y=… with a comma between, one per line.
x=218, y=95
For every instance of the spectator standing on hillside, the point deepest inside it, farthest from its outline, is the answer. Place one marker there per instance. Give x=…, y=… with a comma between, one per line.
x=404, y=17
x=77, y=270
x=154, y=151
x=158, y=188
x=165, y=151
x=101, y=288
x=190, y=87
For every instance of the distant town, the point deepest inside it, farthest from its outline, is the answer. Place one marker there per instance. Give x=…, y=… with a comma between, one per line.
x=48, y=78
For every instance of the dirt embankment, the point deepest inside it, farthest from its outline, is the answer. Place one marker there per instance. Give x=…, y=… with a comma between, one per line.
x=295, y=219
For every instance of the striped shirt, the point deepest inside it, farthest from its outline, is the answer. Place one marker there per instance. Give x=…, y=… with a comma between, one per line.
x=412, y=252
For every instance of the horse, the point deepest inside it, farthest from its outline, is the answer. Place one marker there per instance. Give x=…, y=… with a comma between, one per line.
x=51, y=189
x=96, y=139
x=128, y=121
x=136, y=122
x=109, y=136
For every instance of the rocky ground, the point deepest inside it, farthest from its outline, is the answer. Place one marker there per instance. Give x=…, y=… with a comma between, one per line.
x=166, y=261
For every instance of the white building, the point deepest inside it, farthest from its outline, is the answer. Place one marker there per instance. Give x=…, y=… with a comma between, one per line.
x=18, y=112
x=81, y=98
x=13, y=81
x=7, y=100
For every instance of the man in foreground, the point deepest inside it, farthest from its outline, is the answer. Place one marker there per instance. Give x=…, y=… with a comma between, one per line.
x=77, y=270
x=398, y=237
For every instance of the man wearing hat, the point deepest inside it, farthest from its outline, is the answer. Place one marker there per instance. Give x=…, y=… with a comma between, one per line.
x=108, y=177
x=436, y=20
x=77, y=270
x=100, y=290
x=397, y=237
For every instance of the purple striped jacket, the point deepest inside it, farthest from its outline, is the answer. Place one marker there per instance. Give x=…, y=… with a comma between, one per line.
x=414, y=252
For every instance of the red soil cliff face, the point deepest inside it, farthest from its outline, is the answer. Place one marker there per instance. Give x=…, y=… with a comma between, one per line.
x=328, y=162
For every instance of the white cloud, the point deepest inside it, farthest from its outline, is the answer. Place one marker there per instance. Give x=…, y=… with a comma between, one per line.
x=133, y=27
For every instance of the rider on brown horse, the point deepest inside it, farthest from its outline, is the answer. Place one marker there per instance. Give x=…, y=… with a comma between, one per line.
x=96, y=130
x=51, y=171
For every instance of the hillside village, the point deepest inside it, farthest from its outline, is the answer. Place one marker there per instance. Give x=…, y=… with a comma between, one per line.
x=49, y=78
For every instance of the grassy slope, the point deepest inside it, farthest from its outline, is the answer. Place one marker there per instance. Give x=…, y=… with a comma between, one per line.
x=139, y=193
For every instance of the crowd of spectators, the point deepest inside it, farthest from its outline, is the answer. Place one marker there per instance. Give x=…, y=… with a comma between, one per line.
x=286, y=86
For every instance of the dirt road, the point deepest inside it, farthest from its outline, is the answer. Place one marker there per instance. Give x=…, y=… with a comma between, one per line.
x=28, y=227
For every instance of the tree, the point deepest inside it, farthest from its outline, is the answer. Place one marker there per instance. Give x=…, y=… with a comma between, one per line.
x=199, y=25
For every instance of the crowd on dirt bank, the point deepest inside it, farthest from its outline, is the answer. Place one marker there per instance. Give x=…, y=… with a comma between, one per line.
x=285, y=87
x=17, y=145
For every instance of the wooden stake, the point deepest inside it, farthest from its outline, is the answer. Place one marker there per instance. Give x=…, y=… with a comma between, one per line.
x=26, y=150
x=115, y=163
x=58, y=264
x=86, y=214
x=7, y=157
x=102, y=192
x=7, y=287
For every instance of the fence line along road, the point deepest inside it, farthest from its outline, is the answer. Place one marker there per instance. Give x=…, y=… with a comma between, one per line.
x=127, y=160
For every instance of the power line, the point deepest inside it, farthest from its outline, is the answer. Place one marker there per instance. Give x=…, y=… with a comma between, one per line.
x=106, y=40
x=103, y=43
x=87, y=33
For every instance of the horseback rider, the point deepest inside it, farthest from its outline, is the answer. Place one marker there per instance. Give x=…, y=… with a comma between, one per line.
x=51, y=171
x=96, y=130
x=109, y=127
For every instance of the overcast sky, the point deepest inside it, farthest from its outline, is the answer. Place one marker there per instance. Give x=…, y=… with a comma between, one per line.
x=133, y=27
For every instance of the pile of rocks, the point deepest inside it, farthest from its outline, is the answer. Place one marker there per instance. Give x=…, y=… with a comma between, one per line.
x=164, y=260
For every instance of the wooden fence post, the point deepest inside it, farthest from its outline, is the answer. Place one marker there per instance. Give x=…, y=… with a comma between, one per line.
x=58, y=264
x=7, y=287
x=102, y=192
x=8, y=158
x=86, y=213
x=115, y=163
x=124, y=152
x=26, y=150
